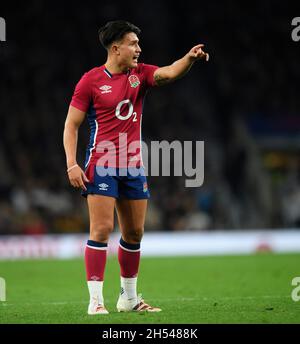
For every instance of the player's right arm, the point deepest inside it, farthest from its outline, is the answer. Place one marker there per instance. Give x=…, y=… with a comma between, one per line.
x=73, y=121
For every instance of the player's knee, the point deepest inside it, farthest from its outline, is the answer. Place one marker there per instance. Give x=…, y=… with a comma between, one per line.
x=135, y=235
x=100, y=231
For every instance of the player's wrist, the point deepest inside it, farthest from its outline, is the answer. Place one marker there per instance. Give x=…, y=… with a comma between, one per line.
x=71, y=167
x=71, y=163
x=190, y=58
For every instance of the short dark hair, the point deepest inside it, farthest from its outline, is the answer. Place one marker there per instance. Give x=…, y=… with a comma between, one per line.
x=115, y=31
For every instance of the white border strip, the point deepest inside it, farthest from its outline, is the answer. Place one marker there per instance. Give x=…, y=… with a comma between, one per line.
x=107, y=73
x=97, y=248
x=93, y=147
x=127, y=249
x=154, y=244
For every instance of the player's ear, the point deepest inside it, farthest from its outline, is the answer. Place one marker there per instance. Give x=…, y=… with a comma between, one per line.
x=115, y=49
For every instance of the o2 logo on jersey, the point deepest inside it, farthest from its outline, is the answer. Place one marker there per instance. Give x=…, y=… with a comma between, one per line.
x=130, y=111
x=296, y=31
x=296, y=291
x=134, y=81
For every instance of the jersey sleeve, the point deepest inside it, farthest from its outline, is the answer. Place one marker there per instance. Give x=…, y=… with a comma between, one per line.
x=82, y=95
x=148, y=72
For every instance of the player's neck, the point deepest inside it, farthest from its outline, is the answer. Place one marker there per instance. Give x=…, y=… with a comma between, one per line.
x=114, y=68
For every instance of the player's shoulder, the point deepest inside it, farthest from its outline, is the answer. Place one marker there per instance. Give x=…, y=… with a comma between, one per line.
x=140, y=68
x=93, y=73
x=144, y=68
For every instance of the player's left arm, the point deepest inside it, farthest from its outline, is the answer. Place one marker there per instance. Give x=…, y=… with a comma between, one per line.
x=180, y=67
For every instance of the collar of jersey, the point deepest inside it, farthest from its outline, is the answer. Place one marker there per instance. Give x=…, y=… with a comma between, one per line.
x=110, y=75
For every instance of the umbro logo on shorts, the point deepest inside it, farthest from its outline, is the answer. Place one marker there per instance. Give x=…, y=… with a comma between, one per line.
x=105, y=89
x=103, y=187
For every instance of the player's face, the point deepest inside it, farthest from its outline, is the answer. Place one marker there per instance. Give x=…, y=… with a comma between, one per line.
x=129, y=50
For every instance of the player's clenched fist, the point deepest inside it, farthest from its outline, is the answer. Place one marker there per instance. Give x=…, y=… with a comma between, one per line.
x=77, y=177
x=197, y=53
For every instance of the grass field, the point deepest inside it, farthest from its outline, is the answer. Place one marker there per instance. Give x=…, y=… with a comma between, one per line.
x=191, y=290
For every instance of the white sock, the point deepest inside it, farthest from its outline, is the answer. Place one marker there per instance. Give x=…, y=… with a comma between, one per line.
x=128, y=287
x=95, y=290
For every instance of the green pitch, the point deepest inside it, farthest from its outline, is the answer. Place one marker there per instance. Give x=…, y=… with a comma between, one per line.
x=227, y=289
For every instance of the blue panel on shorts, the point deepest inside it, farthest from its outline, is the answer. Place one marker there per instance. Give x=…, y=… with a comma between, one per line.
x=128, y=183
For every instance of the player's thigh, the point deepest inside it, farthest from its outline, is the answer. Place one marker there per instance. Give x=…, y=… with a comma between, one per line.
x=101, y=212
x=131, y=216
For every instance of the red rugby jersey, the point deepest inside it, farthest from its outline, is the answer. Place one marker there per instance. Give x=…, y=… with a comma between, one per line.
x=114, y=106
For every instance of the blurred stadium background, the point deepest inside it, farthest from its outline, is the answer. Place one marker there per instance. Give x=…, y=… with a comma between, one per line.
x=244, y=104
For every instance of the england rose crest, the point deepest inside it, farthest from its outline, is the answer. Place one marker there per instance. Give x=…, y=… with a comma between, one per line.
x=134, y=81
